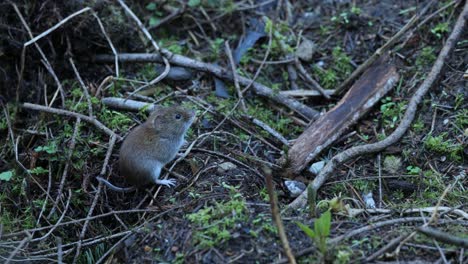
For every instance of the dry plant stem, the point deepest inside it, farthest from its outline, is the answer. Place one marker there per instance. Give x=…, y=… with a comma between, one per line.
x=435, y=214
x=96, y=198
x=306, y=93
x=380, y=51
x=103, y=30
x=44, y=58
x=85, y=242
x=270, y=130
x=153, y=43
x=377, y=225
x=235, y=75
x=63, y=21
x=44, y=205
x=18, y=248
x=59, y=250
x=83, y=86
x=433, y=209
x=443, y=237
x=104, y=256
x=58, y=221
x=221, y=73
x=275, y=212
x=309, y=79
x=21, y=233
x=405, y=122
x=228, y=115
x=389, y=246
x=72, y=114
x=67, y=165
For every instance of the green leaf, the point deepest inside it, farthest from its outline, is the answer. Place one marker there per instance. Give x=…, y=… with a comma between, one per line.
x=153, y=21
x=6, y=175
x=151, y=6
x=194, y=3
x=38, y=170
x=322, y=225
x=309, y=232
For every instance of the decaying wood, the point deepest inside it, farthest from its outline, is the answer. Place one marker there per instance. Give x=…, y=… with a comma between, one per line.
x=368, y=90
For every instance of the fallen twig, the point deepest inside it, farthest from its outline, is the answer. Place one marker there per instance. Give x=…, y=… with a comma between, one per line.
x=275, y=212
x=153, y=43
x=96, y=198
x=405, y=122
x=72, y=114
x=219, y=72
x=443, y=237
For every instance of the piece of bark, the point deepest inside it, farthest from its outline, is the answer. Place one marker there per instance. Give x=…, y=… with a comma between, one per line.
x=367, y=91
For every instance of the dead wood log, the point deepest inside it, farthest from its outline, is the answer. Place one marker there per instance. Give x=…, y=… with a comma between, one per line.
x=367, y=91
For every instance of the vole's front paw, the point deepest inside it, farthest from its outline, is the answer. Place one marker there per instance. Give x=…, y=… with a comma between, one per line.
x=168, y=182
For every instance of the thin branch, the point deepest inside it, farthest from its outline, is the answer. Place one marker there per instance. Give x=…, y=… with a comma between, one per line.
x=155, y=45
x=63, y=21
x=443, y=237
x=270, y=130
x=71, y=114
x=276, y=215
x=45, y=61
x=221, y=73
x=67, y=165
x=235, y=75
x=114, y=50
x=83, y=86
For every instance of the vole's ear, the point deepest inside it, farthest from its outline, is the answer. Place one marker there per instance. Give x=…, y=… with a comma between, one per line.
x=155, y=116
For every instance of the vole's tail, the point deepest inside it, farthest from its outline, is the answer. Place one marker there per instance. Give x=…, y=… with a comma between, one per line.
x=115, y=188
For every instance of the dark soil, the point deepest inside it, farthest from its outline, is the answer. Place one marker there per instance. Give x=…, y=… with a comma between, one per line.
x=222, y=215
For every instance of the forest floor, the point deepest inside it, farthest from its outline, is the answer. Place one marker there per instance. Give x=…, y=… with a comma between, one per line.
x=52, y=209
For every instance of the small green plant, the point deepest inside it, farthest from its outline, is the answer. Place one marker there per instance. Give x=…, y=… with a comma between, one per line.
x=461, y=119
x=214, y=222
x=320, y=233
x=6, y=175
x=344, y=18
x=425, y=58
x=440, y=29
x=392, y=164
x=442, y=145
x=413, y=170
x=391, y=111
x=156, y=14
x=328, y=78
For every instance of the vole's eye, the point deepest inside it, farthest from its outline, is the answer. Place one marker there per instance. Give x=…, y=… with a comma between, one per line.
x=178, y=116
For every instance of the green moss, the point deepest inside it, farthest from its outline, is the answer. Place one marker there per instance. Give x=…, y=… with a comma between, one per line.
x=441, y=145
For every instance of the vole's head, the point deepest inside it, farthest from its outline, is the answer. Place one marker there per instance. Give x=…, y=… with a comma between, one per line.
x=171, y=122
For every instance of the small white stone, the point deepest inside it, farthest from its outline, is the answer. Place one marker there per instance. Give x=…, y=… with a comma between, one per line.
x=295, y=187
x=369, y=200
x=306, y=50
x=316, y=167
x=226, y=166
x=446, y=121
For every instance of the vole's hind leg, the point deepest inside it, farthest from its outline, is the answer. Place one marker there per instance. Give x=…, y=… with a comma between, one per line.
x=157, y=172
x=168, y=182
